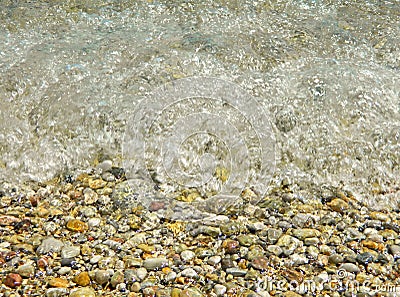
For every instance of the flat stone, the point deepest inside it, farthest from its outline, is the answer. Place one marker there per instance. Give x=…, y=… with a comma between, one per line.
x=56, y=292
x=350, y=267
x=275, y=249
x=58, y=282
x=247, y=240
x=236, y=271
x=50, y=244
x=70, y=251
x=155, y=263
x=214, y=260
x=26, y=270
x=305, y=233
x=190, y=273
x=83, y=292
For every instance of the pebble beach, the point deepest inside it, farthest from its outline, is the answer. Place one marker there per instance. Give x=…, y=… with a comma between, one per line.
x=80, y=79
x=69, y=237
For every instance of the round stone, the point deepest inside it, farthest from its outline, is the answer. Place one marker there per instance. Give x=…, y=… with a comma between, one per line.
x=102, y=276
x=219, y=290
x=187, y=255
x=77, y=225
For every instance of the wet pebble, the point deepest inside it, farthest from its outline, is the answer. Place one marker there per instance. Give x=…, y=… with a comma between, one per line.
x=190, y=273
x=77, y=225
x=50, y=245
x=56, y=292
x=102, y=276
x=187, y=255
x=219, y=290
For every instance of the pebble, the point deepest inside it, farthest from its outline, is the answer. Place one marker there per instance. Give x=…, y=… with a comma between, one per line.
x=102, y=276
x=56, y=292
x=260, y=263
x=141, y=273
x=214, y=260
x=236, y=271
x=58, y=282
x=70, y=251
x=117, y=278
x=13, y=280
x=90, y=196
x=365, y=258
x=82, y=279
x=338, y=205
x=350, y=267
x=64, y=270
x=395, y=250
x=302, y=234
x=219, y=290
x=26, y=270
x=83, y=292
x=155, y=263
x=50, y=245
x=77, y=225
x=190, y=273
x=187, y=255
x=273, y=235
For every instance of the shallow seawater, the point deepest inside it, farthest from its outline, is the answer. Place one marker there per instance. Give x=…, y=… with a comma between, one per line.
x=327, y=73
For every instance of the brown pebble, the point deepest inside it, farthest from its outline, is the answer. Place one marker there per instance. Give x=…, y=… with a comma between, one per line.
x=231, y=246
x=6, y=220
x=13, y=280
x=58, y=282
x=260, y=263
x=156, y=205
x=77, y=225
x=338, y=205
x=82, y=279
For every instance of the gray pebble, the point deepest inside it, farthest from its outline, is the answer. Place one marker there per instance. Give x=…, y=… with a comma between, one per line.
x=350, y=267
x=141, y=273
x=273, y=235
x=219, y=290
x=171, y=276
x=190, y=273
x=187, y=255
x=102, y=276
x=64, y=270
x=155, y=263
x=274, y=249
x=56, y=292
x=26, y=270
x=236, y=271
x=70, y=252
x=50, y=244
x=214, y=260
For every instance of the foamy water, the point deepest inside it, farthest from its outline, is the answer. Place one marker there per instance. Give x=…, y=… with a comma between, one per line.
x=327, y=75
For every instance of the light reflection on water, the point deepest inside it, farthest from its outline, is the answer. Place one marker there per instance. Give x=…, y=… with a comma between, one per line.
x=328, y=74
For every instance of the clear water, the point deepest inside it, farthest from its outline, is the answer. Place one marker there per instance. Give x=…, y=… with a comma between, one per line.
x=327, y=72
